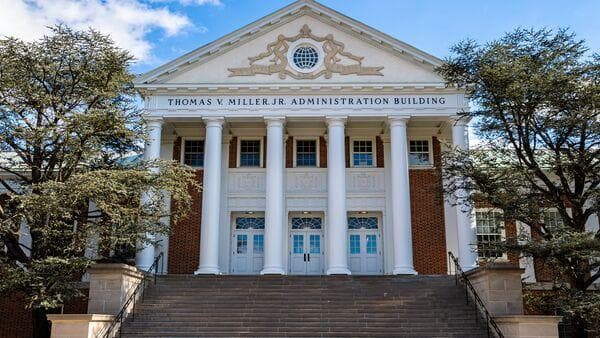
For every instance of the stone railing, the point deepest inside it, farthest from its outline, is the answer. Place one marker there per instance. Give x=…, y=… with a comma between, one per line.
x=365, y=180
x=306, y=181
x=246, y=181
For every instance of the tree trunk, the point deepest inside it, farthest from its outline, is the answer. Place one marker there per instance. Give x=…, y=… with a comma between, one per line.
x=41, y=325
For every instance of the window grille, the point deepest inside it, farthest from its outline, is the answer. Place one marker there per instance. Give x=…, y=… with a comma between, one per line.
x=419, y=152
x=306, y=57
x=306, y=153
x=362, y=154
x=193, y=154
x=489, y=232
x=250, y=153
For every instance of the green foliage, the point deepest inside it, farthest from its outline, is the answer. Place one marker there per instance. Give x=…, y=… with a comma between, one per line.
x=68, y=131
x=536, y=97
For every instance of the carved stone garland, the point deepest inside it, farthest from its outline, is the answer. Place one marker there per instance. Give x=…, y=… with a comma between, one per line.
x=279, y=63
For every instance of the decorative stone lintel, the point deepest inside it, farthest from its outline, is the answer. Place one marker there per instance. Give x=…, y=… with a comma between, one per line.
x=78, y=325
x=110, y=286
x=500, y=288
x=528, y=326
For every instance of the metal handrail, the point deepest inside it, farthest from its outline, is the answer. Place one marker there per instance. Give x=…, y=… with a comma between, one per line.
x=140, y=288
x=491, y=325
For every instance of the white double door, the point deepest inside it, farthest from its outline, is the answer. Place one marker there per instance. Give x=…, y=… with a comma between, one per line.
x=306, y=246
x=248, y=243
x=364, y=246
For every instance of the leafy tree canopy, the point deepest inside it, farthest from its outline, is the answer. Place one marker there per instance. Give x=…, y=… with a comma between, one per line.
x=536, y=96
x=68, y=129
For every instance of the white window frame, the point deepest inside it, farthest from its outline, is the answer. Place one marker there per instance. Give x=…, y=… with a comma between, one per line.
x=373, y=152
x=182, y=155
x=429, y=140
x=239, y=150
x=318, y=149
x=504, y=256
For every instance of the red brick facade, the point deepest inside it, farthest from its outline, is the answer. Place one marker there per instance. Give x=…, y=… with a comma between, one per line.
x=380, y=155
x=233, y=152
x=289, y=152
x=16, y=320
x=322, y=152
x=184, y=242
x=427, y=217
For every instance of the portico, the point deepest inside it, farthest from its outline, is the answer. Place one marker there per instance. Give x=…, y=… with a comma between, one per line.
x=317, y=141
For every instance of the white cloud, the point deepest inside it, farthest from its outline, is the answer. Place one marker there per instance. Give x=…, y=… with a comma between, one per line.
x=193, y=2
x=128, y=22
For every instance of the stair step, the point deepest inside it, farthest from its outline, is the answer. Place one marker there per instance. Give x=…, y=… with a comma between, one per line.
x=316, y=306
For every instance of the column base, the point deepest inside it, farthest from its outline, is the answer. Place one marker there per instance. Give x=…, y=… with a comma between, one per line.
x=404, y=270
x=208, y=270
x=143, y=268
x=272, y=271
x=338, y=271
x=469, y=267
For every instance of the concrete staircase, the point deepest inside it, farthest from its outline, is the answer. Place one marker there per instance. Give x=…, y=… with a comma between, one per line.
x=294, y=306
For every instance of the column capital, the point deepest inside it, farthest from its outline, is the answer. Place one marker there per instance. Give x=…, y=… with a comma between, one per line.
x=398, y=120
x=225, y=139
x=155, y=121
x=333, y=121
x=460, y=120
x=274, y=121
x=214, y=121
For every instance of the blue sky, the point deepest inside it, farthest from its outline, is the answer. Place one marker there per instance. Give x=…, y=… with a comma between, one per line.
x=157, y=31
x=432, y=26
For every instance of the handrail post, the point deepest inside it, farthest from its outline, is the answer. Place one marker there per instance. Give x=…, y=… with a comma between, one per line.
x=141, y=287
x=490, y=323
x=162, y=264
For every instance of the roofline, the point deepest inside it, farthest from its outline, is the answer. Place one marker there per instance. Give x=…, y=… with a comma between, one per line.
x=251, y=28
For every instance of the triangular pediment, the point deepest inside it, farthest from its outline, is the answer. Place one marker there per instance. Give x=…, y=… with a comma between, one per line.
x=305, y=43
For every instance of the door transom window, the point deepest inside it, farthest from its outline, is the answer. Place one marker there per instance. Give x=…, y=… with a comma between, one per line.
x=306, y=223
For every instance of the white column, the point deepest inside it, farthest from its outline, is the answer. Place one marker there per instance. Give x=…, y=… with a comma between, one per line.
x=467, y=231
x=273, y=263
x=403, y=252
x=337, y=239
x=211, y=198
x=145, y=257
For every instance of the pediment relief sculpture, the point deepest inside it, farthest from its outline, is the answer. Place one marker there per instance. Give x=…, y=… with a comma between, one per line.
x=305, y=56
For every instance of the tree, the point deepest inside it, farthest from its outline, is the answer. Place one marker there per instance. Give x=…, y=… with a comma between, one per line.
x=537, y=99
x=68, y=130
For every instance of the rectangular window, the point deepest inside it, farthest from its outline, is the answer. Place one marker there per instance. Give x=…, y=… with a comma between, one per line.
x=306, y=153
x=419, y=152
x=259, y=244
x=315, y=244
x=242, y=244
x=354, y=244
x=362, y=153
x=372, y=244
x=489, y=232
x=250, y=153
x=193, y=153
x=552, y=219
x=298, y=244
